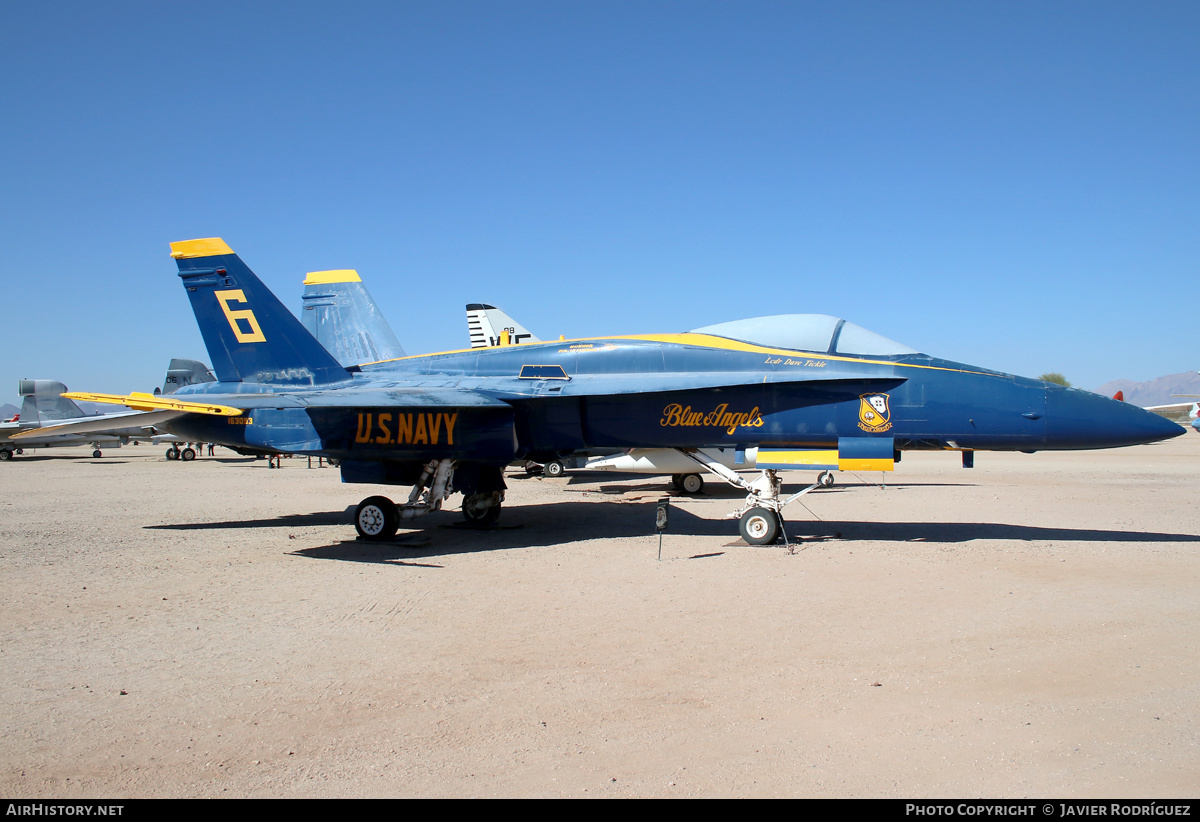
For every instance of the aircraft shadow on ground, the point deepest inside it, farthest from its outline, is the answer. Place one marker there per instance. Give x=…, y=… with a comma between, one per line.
x=17, y=460
x=526, y=526
x=955, y=532
x=345, y=518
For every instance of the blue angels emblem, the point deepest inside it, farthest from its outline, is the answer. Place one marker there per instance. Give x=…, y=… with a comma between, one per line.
x=873, y=412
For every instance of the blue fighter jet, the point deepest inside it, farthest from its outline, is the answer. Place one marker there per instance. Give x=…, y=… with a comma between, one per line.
x=806, y=390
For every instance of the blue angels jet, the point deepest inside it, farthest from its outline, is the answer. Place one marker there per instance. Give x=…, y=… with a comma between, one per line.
x=806, y=390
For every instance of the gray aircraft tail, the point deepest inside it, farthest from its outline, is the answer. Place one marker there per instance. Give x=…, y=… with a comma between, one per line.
x=489, y=327
x=185, y=372
x=42, y=402
x=338, y=310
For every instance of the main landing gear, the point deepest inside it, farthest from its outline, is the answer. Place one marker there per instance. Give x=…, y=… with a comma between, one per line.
x=689, y=484
x=187, y=454
x=378, y=518
x=760, y=518
x=482, y=509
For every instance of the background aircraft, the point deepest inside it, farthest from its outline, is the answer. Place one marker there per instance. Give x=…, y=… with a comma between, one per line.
x=43, y=405
x=489, y=327
x=1182, y=412
x=803, y=389
x=180, y=373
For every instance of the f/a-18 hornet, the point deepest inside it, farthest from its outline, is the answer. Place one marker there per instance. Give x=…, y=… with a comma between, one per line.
x=806, y=390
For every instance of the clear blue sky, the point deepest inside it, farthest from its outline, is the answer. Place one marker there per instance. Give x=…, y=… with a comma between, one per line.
x=1014, y=185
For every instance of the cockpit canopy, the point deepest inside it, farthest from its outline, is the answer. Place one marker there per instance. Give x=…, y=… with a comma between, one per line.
x=818, y=333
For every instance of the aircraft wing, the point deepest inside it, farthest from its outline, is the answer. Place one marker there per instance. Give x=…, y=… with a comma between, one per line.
x=148, y=410
x=1180, y=412
x=108, y=422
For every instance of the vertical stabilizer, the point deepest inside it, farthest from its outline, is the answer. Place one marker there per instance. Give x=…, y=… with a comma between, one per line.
x=487, y=327
x=338, y=310
x=42, y=402
x=185, y=372
x=249, y=334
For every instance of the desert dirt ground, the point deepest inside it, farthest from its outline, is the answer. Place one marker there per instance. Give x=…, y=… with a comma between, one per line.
x=1026, y=628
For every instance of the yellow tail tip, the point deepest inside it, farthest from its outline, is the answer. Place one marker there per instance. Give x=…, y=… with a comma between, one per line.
x=207, y=247
x=341, y=275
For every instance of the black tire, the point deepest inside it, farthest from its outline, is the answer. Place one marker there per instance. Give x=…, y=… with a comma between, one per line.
x=825, y=479
x=691, y=484
x=376, y=519
x=554, y=469
x=5, y=455
x=759, y=526
x=677, y=480
x=475, y=512
x=187, y=454
x=97, y=454
x=172, y=454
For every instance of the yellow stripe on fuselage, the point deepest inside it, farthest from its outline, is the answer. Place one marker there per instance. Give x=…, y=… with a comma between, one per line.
x=207, y=247
x=698, y=341
x=341, y=275
x=866, y=465
x=800, y=457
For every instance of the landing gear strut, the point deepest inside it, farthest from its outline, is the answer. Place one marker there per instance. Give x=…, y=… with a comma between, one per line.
x=377, y=518
x=760, y=518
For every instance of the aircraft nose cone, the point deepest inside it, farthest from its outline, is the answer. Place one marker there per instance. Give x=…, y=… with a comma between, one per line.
x=1081, y=419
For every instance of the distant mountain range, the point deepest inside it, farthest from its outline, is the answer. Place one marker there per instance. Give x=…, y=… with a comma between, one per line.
x=7, y=411
x=1155, y=392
